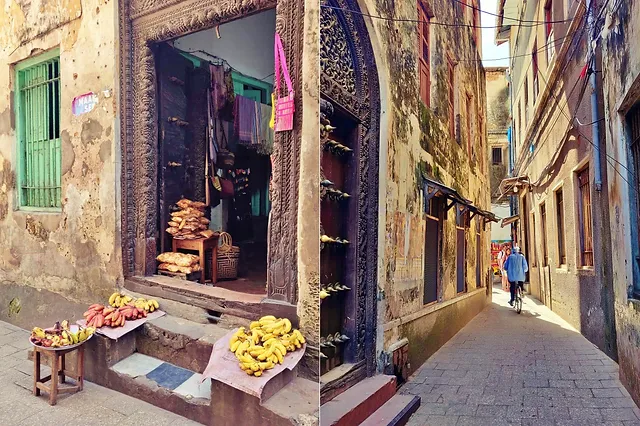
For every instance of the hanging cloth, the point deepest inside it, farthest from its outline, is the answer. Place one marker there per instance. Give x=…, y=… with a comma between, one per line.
x=266, y=132
x=245, y=120
x=219, y=87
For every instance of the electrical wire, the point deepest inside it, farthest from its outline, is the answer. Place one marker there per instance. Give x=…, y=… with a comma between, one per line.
x=539, y=50
x=513, y=19
x=221, y=61
x=588, y=139
x=415, y=21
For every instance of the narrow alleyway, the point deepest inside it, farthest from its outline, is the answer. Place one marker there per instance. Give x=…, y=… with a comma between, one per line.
x=95, y=405
x=530, y=369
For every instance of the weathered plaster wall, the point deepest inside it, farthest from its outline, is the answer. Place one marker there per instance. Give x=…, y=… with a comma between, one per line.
x=621, y=68
x=498, y=121
x=550, y=152
x=76, y=252
x=416, y=142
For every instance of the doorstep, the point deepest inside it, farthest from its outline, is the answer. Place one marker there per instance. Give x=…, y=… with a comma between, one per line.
x=217, y=299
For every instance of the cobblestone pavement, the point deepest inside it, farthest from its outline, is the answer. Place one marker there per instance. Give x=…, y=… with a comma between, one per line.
x=95, y=405
x=530, y=369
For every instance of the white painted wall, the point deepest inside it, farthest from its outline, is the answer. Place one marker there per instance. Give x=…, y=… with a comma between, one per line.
x=246, y=44
x=498, y=233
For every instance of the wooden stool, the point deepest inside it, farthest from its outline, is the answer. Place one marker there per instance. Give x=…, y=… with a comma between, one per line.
x=58, y=373
x=201, y=245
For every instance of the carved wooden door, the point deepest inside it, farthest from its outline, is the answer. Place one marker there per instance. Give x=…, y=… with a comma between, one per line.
x=350, y=111
x=173, y=174
x=337, y=273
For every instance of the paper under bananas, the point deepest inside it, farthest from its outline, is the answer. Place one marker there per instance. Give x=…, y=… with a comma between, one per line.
x=60, y=335
x=264, y=344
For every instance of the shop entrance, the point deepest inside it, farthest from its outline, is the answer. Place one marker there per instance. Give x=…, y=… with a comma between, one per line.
x=214, y=147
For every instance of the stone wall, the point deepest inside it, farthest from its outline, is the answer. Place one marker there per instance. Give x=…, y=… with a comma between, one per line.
x=74, y=252
x=415, y=141
x=621, y=80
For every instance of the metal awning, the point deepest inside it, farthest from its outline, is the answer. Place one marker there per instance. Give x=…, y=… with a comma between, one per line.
x=509, y=220
x=486, y=215
x=511, y=186
x=437, y=189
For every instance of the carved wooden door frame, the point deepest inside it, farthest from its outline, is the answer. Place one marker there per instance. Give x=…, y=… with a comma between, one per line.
x=143, y=24
x=349, y=79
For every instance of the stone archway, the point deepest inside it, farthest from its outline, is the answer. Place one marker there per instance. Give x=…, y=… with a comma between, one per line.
x=349, y=83
x=144, y=23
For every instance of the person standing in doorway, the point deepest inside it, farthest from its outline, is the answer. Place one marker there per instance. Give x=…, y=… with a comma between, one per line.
x=516, y=267
x=502, y=257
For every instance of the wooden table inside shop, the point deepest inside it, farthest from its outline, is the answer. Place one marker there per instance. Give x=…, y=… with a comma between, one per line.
x=59, y=372
x=201, y=245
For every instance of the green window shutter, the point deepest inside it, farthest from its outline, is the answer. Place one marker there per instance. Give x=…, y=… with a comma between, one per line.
x=39, y=133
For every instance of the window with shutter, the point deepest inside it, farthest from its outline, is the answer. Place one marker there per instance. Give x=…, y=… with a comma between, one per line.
x=452, y=92
x=562, y=251
x=38, y=132
x=432, y=254
x=543, y=220
x=496, y=154
x=584, y=204
x=424, y=52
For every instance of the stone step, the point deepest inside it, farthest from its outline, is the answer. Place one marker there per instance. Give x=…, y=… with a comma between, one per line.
x=179, y=341
x=395, y=412
x=164, y=385
x=356, y=404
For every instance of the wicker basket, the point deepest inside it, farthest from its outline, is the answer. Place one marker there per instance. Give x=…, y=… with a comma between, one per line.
x=228, y=257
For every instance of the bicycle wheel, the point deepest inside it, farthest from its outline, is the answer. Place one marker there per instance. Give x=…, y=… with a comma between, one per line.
x=518, y=304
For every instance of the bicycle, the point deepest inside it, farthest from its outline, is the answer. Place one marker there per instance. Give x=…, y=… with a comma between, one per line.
x=519, y=296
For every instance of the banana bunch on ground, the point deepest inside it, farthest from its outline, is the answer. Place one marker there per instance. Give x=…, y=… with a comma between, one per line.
x=119, y=300
x=265, y=344
x=60, y=335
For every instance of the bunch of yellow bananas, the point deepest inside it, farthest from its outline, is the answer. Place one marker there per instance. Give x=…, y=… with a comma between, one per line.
x=118, y=300
x=265, y=344
x=147, y=305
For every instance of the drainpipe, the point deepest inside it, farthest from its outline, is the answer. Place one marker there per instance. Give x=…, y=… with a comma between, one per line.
x=595, y=118
x=510, y=147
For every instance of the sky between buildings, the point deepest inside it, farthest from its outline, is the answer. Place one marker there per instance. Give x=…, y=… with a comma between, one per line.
x=489, y=49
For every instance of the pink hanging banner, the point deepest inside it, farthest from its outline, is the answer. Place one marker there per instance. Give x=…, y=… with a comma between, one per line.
x=285, y=106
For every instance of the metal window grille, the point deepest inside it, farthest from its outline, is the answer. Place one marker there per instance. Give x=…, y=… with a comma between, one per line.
x=39, y=135
x=496, y=154
x=586, y=236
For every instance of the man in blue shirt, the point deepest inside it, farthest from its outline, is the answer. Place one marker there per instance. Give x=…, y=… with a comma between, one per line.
x=516, y=267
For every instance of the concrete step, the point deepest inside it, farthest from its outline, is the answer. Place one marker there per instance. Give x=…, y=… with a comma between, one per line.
x=161, y=363
x=356, y=404
x=164, y=385
x=395, y=412
x=296, y=404
x=179, y=341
